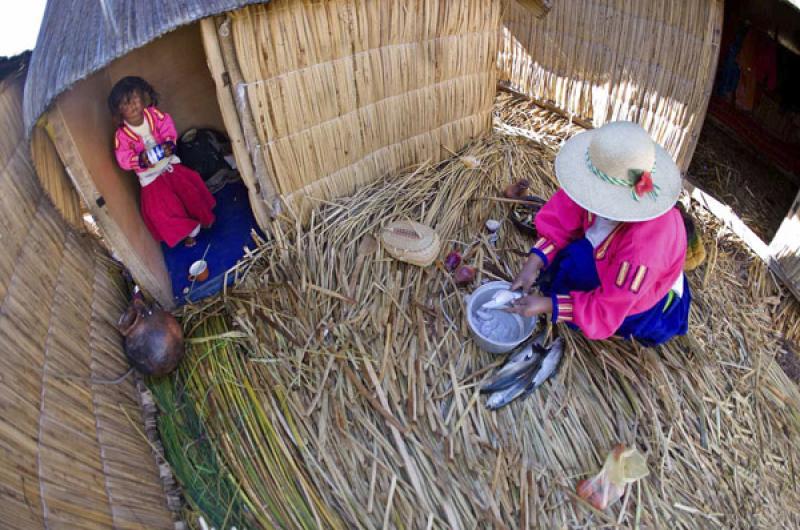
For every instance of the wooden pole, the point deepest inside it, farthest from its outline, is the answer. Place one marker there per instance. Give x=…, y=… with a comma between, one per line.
x=785, y=247
x=586, y=124
x=267, y=182
x=262, y=209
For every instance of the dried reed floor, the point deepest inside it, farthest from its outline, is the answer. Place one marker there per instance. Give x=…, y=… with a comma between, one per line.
x=341, y=391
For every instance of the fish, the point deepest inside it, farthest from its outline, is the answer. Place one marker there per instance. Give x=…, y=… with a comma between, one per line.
x=483, y=315
x=520, y=359
x=505, y=396
x=501, y=299
x=550, y=362
x=529, y=378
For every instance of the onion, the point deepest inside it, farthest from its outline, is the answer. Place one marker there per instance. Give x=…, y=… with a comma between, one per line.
x=452, y=261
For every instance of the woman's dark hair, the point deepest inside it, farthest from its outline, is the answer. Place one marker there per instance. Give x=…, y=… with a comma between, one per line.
x=125, y=88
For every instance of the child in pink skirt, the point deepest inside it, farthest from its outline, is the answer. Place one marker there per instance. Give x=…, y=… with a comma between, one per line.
x=175, y=202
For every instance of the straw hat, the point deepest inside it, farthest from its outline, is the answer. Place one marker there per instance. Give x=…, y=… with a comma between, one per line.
x=411, y=242
x=618, y=172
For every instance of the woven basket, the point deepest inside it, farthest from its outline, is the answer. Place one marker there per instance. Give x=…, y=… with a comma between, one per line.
x=411, y=242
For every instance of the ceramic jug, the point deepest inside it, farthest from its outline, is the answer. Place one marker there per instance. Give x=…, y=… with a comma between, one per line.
x=153, y=338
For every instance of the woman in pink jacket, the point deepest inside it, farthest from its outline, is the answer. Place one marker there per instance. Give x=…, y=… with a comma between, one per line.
x=612, y=244
x=175, y=202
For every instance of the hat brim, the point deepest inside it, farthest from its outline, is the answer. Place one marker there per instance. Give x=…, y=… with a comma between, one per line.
x=610, y=200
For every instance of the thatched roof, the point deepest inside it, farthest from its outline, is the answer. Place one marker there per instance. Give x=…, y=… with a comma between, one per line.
x=79, y=37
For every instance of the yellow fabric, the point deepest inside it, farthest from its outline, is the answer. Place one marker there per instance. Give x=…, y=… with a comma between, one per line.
x=695, y=254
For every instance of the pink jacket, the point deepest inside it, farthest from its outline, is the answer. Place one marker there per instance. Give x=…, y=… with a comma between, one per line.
x=128, y=144
x=637, y=264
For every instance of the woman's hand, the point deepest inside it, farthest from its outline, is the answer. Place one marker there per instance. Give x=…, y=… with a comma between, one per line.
x=530, y=306
x=528, y=274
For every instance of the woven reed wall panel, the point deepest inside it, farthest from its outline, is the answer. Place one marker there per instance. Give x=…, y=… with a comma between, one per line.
x=67, y=416
x=344, y=91
x=647, y=61
x=132, y=479
x=20, y=196
x=69, y=455
x=23, y=334
x=54, y=179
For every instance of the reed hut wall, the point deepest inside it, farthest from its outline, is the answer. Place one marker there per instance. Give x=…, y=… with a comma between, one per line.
x=344, y=92
x=646, y=61
x=54, y=179
x=72, y=455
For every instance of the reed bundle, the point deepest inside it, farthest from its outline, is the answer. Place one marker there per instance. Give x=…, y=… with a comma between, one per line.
x=648, y=62
x=358, y=407
x=344, y=92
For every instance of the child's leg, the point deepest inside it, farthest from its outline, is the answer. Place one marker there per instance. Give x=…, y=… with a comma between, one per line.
x=193, y=193
x=190, y=240
x=164, y=214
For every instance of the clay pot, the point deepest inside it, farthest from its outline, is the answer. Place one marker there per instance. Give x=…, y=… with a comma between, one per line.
x=153, y=339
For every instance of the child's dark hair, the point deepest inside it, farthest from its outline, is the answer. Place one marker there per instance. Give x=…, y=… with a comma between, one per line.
x=125, y=88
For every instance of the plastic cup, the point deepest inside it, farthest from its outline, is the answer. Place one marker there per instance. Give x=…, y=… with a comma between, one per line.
x=198, y=272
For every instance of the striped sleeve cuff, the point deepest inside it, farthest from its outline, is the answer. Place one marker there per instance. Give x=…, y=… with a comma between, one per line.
x=544, y=248
x=562, y=308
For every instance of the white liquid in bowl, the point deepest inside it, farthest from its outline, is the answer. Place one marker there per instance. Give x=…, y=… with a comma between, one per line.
x=495, y=331
x=499, y=326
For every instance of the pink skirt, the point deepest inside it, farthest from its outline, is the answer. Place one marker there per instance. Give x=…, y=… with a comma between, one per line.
x=175, y=203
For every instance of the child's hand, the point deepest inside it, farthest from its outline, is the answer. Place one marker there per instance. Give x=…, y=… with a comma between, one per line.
x=144, y=162
x=169, y=148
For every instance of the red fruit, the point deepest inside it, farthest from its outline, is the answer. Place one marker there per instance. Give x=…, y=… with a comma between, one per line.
x=586, y=490
x=464, y=275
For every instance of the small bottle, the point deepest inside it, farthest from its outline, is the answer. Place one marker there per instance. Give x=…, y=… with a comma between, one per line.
x=492, y=226
x=155, y=153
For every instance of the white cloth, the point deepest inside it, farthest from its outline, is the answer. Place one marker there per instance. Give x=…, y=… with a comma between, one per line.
x=599, y=231
x=677, y=287
x=150, y=174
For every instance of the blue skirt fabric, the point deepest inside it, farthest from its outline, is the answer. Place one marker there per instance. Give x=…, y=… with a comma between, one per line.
x=574, y=269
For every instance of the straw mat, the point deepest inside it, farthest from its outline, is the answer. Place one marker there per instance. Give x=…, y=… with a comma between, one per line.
x=318, y=405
